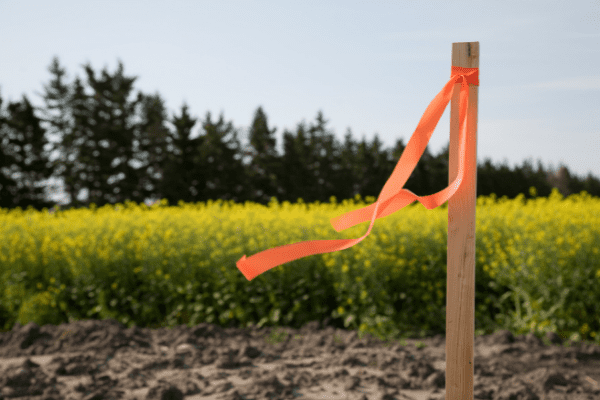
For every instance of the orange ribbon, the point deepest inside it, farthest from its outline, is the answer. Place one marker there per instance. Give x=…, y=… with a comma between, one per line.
x=392, y=197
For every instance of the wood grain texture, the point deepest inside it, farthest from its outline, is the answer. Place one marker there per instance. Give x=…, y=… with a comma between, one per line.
x=460, y=295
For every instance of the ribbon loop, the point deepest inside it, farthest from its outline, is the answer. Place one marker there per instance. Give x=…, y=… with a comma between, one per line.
x=392, y=197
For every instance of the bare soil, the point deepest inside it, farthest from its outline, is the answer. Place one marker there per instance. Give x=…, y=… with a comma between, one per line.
x=97, y=360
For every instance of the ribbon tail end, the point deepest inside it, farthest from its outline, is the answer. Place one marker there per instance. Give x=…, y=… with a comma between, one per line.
x=243, y=267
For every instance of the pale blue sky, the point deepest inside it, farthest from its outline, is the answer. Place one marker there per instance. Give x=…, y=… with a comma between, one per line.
x=373, y=66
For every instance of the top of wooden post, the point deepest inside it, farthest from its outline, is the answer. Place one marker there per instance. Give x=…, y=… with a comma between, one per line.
x=465, y=54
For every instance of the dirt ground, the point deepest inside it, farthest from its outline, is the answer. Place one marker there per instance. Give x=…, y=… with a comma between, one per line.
x=97, y=360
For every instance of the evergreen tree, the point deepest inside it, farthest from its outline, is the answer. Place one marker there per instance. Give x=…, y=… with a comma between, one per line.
x=153, y=139
x=97, y=133
x=396, y=153
x=437, y=171
x=108, y=151
x=8, y=183
x=81, y=148
x=361, y=170
x=591, y=185
x=373, y=167
x=324, y=159
x=423, y=180
x=182, y=172
x=57, y=114
x=100, y=144
x=526, y=175
x=264, y=167
x=295, y=179
x=24, y=163
x=225, y=174
x=347, y=184
x=383, y=167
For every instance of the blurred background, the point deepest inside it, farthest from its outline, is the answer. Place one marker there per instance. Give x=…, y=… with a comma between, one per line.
x=102, y=102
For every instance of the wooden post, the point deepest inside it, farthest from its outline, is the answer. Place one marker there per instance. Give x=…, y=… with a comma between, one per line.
x=460, y=294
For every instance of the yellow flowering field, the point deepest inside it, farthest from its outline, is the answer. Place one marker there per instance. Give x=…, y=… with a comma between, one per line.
x=537, y=266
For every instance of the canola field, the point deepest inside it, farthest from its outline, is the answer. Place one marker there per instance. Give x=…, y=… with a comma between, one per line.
x=537, y=266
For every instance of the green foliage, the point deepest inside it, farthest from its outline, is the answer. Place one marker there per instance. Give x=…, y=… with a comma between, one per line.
x=536, y=267
x=40, y=308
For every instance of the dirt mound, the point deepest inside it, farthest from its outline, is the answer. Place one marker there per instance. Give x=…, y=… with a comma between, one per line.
x=97, y=360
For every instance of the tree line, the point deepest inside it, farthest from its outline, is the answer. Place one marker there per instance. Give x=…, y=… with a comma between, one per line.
x=119, y=145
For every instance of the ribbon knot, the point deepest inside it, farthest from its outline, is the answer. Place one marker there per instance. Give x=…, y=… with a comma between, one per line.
x=471, y=74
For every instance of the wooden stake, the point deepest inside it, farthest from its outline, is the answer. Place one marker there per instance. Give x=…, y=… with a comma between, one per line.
x=460, y=293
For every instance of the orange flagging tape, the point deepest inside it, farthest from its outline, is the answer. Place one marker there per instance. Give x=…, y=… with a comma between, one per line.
x=392, y=197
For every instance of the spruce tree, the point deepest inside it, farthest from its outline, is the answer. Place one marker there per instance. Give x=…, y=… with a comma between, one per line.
x=57, y=115
x=297, y=181
x=108, y=153
x=153, y=139
x=182, y=170
x=264, y=167
x=325, y=159
x=225, y=175
x=24, y=162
